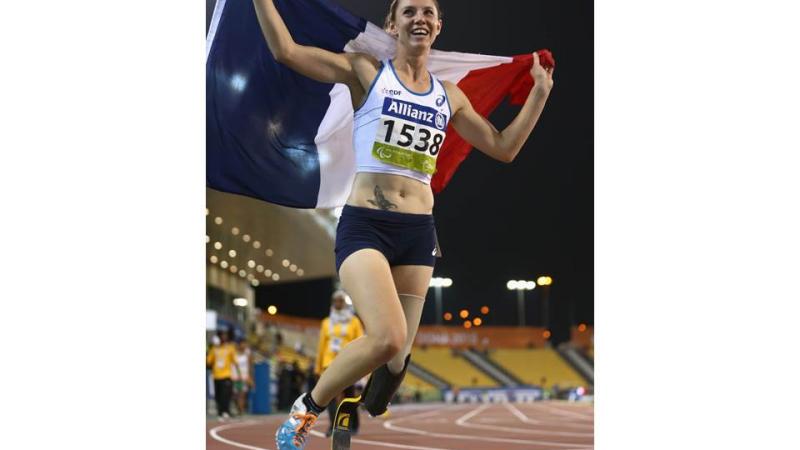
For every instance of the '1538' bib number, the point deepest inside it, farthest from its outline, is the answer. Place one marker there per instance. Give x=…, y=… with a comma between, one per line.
x=410, y=135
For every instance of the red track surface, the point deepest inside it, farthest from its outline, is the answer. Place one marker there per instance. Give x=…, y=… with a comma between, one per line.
x=537, y=426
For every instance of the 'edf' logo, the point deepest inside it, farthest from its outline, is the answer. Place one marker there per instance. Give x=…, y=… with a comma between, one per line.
x=440, y=121
x=391, y=92
x=440, y=100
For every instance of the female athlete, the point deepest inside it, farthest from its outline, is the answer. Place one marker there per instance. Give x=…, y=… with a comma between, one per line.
x=386, y=241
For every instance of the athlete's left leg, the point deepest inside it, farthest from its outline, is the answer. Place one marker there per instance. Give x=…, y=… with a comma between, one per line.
x=412, y=284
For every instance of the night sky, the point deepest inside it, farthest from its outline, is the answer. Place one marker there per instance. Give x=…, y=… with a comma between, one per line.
x=496, y=221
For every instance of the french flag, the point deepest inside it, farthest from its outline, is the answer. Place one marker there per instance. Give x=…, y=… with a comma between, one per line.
x=275, y=135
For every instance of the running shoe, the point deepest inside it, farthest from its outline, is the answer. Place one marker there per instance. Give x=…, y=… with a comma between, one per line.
x=293, y=433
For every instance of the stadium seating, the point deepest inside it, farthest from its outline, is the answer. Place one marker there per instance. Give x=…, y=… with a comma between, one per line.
x=531, y=365
x=455, y=370
x=413, y=384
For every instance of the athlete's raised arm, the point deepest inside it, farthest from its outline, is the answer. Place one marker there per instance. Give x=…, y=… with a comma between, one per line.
x=313, y=62
x=501, y=145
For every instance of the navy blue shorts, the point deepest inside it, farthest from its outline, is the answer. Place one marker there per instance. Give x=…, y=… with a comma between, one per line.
x=404, y=239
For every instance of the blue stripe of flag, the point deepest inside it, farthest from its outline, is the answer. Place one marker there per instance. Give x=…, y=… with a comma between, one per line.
x=262, y=117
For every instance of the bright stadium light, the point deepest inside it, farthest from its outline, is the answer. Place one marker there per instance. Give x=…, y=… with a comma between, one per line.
x=437, y=283
x=240, y=302
x=544, y=280
x=272, y=310
x=521, y=286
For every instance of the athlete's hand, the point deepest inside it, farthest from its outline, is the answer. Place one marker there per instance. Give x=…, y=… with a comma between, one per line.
x=542, y=76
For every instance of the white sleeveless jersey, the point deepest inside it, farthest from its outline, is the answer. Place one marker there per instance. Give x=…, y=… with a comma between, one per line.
x=399, y=131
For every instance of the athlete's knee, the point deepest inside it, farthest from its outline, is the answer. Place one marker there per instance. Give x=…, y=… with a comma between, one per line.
x=389, y=343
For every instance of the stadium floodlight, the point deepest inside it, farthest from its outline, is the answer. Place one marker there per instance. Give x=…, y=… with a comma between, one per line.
x=544, y=280
x=521, y=286
x=438, y=283
x=240, y=302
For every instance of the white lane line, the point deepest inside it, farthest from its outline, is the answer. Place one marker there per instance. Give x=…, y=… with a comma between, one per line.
x=383, y=444
x=214, y=432
x=552, y=421
x=471, y=414
x=587, y=414
x=463, y=423
x=520, y=415
x=561, y=412
x=390, y=425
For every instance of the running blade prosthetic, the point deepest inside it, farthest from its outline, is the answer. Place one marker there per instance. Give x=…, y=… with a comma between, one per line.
x=343, y=423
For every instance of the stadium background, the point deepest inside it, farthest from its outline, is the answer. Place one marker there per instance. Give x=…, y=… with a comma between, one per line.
x=496, y=223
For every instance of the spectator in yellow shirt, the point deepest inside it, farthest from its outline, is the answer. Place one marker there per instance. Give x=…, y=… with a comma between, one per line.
x=337, y=330
x=222, y=359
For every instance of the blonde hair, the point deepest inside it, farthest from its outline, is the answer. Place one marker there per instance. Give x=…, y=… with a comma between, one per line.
x=393, y=11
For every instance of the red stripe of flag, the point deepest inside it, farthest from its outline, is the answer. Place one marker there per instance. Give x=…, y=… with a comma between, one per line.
x=486, y=88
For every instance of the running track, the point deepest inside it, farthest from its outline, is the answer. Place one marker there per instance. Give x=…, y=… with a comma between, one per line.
x=509, y=426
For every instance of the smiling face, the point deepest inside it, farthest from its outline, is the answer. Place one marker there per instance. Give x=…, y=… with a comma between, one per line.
x=415, y=23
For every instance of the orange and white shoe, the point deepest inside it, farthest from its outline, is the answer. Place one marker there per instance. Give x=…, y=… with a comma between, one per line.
x=293, y=433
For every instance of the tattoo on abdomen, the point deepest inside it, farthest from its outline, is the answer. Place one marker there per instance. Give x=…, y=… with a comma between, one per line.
x=380, y=201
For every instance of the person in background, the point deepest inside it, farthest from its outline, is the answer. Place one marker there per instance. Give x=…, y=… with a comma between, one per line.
x=336, y=331
x=243, y=380
x=284, y=385
x=222, y=359
x=298, y=379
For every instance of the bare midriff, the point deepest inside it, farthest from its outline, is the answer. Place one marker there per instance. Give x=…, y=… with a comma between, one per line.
x=391, y=193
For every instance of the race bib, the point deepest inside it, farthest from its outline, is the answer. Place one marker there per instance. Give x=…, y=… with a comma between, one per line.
x=220, y=360
x=410, y=135
x=336, y=345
